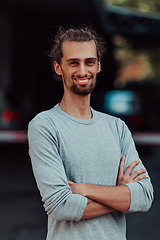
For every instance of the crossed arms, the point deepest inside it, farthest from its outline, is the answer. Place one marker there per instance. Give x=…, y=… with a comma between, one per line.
x=106, y=199
x=91, y=201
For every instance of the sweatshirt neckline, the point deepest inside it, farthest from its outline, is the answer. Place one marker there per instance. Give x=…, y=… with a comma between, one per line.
x=81, y=121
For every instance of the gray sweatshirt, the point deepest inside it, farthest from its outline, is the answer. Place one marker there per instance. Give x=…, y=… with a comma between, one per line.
x=64, y=148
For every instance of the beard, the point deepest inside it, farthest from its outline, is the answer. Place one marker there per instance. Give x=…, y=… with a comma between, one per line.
x=82, y=90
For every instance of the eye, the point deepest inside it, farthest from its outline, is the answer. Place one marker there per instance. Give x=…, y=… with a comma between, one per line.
x=90, y=62
x=73, y=63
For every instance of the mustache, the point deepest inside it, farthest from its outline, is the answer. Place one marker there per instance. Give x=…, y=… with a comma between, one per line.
x=80, y=77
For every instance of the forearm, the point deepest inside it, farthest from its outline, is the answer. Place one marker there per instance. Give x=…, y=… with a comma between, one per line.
x=116, y=197
x=95, y=209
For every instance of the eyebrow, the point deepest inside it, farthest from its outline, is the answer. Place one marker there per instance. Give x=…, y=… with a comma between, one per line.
x=77, y=59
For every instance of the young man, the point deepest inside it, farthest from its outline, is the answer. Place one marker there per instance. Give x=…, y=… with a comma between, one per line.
x=85, y=162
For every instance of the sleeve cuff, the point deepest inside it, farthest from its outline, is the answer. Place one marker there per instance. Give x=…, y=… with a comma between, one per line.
x=135, y=200
x=79, y=208
x=73, y=208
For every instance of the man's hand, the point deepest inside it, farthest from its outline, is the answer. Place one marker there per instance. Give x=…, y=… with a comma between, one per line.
x=77, y=188
x=114, y=197
x=127, y=177
x=93, y=209
x=123, y=178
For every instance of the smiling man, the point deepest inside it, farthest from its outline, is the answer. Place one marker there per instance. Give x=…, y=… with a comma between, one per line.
x=85, y=162
x=79, y=74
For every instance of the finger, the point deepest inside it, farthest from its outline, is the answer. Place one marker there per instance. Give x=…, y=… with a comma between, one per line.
x=121, y=167
x=140, y=177
x=70, y=182
x=137, y=173
x=131, y=166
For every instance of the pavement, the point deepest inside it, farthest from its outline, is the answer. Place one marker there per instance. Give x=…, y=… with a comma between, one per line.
x=21, y=208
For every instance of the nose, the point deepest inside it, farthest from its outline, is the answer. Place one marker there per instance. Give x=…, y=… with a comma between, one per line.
x=82, y=71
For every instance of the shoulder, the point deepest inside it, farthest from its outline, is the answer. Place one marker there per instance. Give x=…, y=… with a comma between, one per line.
x=117, y=125
x=112, y=120
x=47, y=115
x=43, y=127
x=45, y=119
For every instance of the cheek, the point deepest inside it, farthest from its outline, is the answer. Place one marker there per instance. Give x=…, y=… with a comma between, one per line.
x=68, y=72
x=96, y=71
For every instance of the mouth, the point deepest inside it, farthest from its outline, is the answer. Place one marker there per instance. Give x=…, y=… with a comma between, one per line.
x=82, y=81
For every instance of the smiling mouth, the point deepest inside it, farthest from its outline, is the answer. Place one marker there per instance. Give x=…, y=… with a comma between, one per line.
x=82, y=81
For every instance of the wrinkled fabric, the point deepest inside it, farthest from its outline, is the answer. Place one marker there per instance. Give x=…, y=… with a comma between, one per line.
x=65, y=148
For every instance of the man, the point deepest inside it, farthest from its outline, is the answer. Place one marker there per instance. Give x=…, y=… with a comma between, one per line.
x=85, y=162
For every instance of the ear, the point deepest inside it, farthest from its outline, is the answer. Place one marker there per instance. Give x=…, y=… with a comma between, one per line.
x=57, y=68
x=99, y=67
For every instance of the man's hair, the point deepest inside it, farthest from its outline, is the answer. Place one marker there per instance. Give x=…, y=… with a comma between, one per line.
x=75, y=34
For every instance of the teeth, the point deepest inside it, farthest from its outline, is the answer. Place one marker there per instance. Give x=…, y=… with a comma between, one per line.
x=83, y=81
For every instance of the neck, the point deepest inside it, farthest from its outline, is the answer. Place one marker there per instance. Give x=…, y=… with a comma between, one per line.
x=77, y=106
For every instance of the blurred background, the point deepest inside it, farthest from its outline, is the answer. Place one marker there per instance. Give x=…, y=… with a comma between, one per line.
x=128, y=87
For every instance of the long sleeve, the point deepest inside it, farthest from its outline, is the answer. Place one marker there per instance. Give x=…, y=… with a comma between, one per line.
x=141, y=191
x=83, y=151
x=59, y=202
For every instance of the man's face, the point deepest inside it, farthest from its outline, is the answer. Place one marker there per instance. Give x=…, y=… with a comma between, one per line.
x=79, y=67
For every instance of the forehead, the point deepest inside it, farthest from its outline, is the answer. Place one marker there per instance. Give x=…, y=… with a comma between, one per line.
x=80, y=50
